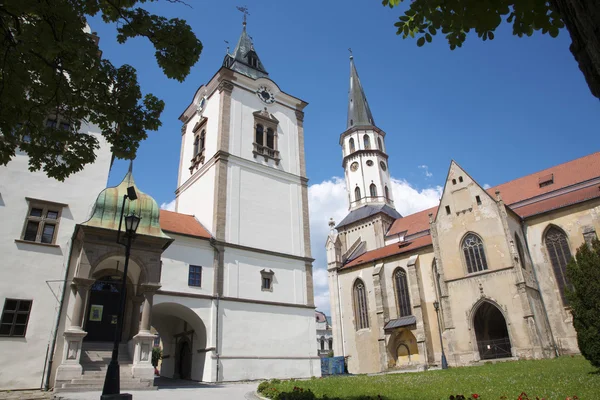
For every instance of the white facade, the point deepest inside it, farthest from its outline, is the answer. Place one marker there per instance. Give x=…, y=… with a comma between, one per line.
x=35, y=271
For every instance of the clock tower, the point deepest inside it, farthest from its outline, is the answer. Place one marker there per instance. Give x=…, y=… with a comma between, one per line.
x=242, y=169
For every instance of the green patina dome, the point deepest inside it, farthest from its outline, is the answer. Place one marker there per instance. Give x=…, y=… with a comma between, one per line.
x=107, y=209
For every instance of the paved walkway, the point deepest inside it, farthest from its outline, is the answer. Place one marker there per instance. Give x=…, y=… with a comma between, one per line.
x=182, y=390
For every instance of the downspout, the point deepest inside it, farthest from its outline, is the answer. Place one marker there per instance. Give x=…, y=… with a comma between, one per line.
x=218, y=297
x=523, y=228
x=48, y=364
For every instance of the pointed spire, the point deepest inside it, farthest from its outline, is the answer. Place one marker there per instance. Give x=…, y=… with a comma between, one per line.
x=359, y=113
x=244, y=58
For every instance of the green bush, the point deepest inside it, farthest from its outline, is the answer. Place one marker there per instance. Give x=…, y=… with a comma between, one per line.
x=156, y=356
x=263, y=386
x=275, y=381
x=583, y=272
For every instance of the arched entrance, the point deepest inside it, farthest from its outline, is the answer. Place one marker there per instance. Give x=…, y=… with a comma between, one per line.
x=403, y=350
x=183, y=362
x=102, y=310
x=491, y=332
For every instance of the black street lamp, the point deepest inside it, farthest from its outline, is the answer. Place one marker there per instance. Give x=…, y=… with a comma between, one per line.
x=112, y=382
x=436, y=305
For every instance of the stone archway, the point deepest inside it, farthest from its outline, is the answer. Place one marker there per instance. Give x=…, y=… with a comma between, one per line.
x=491, y=332
x=403, y=350
x=183, y=336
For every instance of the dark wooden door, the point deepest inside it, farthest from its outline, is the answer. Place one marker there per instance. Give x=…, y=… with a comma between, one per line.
x=185, y=361
x=103, y=307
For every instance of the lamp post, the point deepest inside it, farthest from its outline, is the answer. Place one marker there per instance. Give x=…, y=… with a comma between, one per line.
x=112, y=382
x=436, y=305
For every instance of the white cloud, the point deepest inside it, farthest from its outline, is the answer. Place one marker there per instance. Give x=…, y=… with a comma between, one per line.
x=170, y=206
x=425, y=168
x=486, y=186
x=329, y=199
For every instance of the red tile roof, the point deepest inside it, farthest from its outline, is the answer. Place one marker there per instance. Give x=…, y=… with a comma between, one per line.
x=390, y=250
x=559, y=201
x=412, y=223
x=183, y=224
x=566, y=174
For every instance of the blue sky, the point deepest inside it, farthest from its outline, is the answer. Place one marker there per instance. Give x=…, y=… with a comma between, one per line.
x=501, y=108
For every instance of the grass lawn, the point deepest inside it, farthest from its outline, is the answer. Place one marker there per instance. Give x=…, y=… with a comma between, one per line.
x=554, y=379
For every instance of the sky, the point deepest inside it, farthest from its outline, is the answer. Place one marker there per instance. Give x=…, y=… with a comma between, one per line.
x=502, y=109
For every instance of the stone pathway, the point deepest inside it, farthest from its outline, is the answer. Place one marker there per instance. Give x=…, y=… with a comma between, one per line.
x=25, y=395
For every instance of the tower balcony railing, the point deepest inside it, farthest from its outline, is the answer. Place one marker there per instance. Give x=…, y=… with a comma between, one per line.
x=371, y=199
x=266, y=152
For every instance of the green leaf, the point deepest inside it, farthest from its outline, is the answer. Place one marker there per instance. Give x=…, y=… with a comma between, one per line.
x=491, y=35
x=421, y=41
x=432, y=30
x=428, y=37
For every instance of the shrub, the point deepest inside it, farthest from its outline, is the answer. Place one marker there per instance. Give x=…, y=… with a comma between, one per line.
x=583, y=272
x=156, y=356
x=263, y=386
x=275, y=381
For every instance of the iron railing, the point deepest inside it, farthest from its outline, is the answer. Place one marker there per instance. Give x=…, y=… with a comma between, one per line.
x=497, y=348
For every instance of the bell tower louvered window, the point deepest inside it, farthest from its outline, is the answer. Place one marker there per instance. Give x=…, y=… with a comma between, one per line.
x=559, y=254
x=373, y=190
x=357, y=194
x=361, y=316
x=474, y=253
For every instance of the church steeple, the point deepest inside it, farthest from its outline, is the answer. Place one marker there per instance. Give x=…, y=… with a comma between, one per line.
x=244, y=59
x=359, y=113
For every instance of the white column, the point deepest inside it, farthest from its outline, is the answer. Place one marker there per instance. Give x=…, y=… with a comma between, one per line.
x=143, y=341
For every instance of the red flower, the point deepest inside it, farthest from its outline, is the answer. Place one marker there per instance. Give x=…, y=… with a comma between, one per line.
x=475, y=396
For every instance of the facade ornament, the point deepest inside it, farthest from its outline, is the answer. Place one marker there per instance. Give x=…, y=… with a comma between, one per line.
x=498, y=197
x=225, y=86
x=481, y=290
x=299, y=115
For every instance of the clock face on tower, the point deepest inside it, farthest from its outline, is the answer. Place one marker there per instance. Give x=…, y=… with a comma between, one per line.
x=265, y=95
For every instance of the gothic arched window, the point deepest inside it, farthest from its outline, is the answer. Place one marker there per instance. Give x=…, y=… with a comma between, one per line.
x=322, y=343
x=202, y=139
x=520, y=251
x=357, y=194
x=351, y=144
x=361, y=317
x=472, y=247
x=373, y=190
x=270, y=138
x=387, y=193
x=259, y=134
x=367, y=141
x=196, y=143
x=379, y=144
x=402, y=293
x=560, y=255
x=330, y=344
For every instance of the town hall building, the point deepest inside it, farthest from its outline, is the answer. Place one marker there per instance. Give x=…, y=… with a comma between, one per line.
x=484, y=271
x=223, y=285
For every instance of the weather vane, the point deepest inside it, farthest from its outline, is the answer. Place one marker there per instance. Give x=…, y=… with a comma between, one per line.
x=243, y=10
x=227, y=46
x=350, y=50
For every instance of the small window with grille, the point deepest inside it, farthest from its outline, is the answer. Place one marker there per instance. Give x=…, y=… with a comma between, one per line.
x=41, y=224
x=195, y=276
x=15, y=317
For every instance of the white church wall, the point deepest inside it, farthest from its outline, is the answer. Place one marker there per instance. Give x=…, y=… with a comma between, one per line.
x=35, y=271
x=266, y=201
x=182, y=253
x=258, y=338
x=198, y=198
x=243, y=277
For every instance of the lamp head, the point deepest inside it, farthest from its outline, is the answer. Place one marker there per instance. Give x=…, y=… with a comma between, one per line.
x=131, y=223
x=131, y=194
x=436, y=305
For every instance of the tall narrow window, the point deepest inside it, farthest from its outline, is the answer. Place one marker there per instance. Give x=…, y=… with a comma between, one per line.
x=402, y=293
x=520, y=251
x=270, y=138
x=322, y=343
x=367, y=141
x=373, y=190
x=195, y=276
x=387, y=193
x=259, y=134
x=196, y=144
x=474, y=253
x=361, y=316
x=351, y=144
x=357, y=194
x=559, y=254
x=330, y=344
x=15, y=317
x=380, y=144
x=202, y=139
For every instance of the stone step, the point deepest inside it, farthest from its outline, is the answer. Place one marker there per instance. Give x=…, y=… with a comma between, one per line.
x=95, y=388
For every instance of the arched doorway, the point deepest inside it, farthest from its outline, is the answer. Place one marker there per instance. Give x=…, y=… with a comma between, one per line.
x=102, y=309
x=491, y=332
x=184, y=360
x=403, y=350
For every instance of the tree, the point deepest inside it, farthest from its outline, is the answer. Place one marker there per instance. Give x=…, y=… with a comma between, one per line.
x=455, y=18
x=53, y=78
x=583, y=272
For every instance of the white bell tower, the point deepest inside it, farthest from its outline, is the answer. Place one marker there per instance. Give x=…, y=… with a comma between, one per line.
x=363, y=147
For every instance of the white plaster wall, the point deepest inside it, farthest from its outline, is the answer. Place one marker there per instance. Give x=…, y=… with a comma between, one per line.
x=178, y=257
x=257, y=342
x=198, y=199
x=264, y=208
x=33, y=272
x=243, y=104
x=243, y=278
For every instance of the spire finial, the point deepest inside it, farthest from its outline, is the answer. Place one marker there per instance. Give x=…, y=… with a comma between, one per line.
x=227, y=45
x=350, y=50
x=244, y=10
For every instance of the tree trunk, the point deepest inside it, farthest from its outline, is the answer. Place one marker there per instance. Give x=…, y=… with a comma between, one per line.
x=582, y=19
